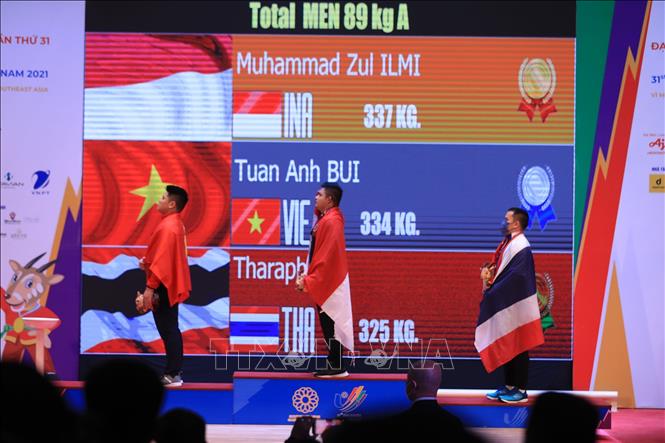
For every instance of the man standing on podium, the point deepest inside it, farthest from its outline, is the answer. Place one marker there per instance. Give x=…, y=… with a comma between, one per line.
x=168, y=281
x=327, y=279
x=509, y=320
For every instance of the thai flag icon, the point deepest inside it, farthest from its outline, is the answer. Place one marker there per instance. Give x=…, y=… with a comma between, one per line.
x=257, y=114
x=254, y=328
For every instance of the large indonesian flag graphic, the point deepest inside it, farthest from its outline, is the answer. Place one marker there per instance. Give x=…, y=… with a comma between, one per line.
x=158, y=87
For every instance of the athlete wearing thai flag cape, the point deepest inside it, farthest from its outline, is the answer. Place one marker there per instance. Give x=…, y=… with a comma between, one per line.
x=327, y=279
x=509, y=319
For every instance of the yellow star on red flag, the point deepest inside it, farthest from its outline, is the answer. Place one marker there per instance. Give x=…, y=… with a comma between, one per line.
x=256, y=223
x=151, y=192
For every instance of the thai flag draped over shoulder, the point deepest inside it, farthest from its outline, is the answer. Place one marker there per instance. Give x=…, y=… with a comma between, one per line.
x=509, y=319
x=327, y=279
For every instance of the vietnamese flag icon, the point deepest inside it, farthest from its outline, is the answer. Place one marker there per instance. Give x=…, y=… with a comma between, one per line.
x=255, y=221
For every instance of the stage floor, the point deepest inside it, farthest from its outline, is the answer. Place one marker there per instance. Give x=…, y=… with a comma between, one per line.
x=628, y=426
x=279, y=433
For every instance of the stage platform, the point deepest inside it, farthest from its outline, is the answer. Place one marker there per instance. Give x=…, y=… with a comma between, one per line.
x=278, y=397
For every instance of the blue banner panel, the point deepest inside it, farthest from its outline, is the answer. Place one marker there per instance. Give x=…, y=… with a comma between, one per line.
x=406, y=196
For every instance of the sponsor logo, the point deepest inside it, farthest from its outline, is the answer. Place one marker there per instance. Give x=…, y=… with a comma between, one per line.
x=18, y=235
x=305, y=400
x=40, y=182
x=9, y=181
x=12, y=220
x=535, y=189
x=658, y=46
x=657, y=183
x=657, y=146
x=537, y=82
x=348, y=402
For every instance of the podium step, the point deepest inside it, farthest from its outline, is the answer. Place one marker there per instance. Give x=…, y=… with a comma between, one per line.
x=213, y=401
x=477, y=411
x=280, y=397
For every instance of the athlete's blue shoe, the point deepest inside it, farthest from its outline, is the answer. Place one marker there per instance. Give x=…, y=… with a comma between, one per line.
x=514, y=396
x=498, y=393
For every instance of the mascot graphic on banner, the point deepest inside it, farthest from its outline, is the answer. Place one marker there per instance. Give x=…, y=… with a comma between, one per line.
x=28, y=323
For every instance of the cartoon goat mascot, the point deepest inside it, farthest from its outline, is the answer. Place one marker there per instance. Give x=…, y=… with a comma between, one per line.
x=27, y=320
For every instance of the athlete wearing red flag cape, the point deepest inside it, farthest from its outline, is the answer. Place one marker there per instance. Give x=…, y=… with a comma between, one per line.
x=167, y=279
x=327, y=279
x=509, y=319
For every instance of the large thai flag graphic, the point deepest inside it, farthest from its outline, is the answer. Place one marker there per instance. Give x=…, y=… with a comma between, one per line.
x=110, y=323
x=158, y=87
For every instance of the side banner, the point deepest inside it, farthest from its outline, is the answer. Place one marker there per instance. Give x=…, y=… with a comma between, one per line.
x=42, y=111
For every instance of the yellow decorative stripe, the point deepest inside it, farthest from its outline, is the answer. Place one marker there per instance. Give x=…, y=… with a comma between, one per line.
x=71, y=203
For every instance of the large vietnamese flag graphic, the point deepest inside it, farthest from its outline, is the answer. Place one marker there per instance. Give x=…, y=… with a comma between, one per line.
x=158, y=87
x=256, y=222
x=123, y=181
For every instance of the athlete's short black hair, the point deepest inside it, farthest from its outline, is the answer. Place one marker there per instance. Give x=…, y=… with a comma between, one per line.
x=521, y=216
x=178, y=195
x=334, y=191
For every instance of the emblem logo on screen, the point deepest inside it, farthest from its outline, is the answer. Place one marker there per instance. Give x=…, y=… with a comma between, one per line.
x=537, y=83
x=305, y=400
x=348, y=402
x=545, y=294
x=535, y=188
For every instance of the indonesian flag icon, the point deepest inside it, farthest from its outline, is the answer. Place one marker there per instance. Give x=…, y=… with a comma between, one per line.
x=255, y=221
x=257, y=114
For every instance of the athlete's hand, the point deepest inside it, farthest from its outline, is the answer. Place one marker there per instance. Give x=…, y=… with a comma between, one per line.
x=138, y=301
x=300, y=283
x=148, y=296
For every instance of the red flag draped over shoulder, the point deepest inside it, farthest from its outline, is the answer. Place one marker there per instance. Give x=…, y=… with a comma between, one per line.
x=327, y=279
x=166, y=259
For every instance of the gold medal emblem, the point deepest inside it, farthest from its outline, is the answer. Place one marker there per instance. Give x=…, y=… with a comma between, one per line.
x=537, y=83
